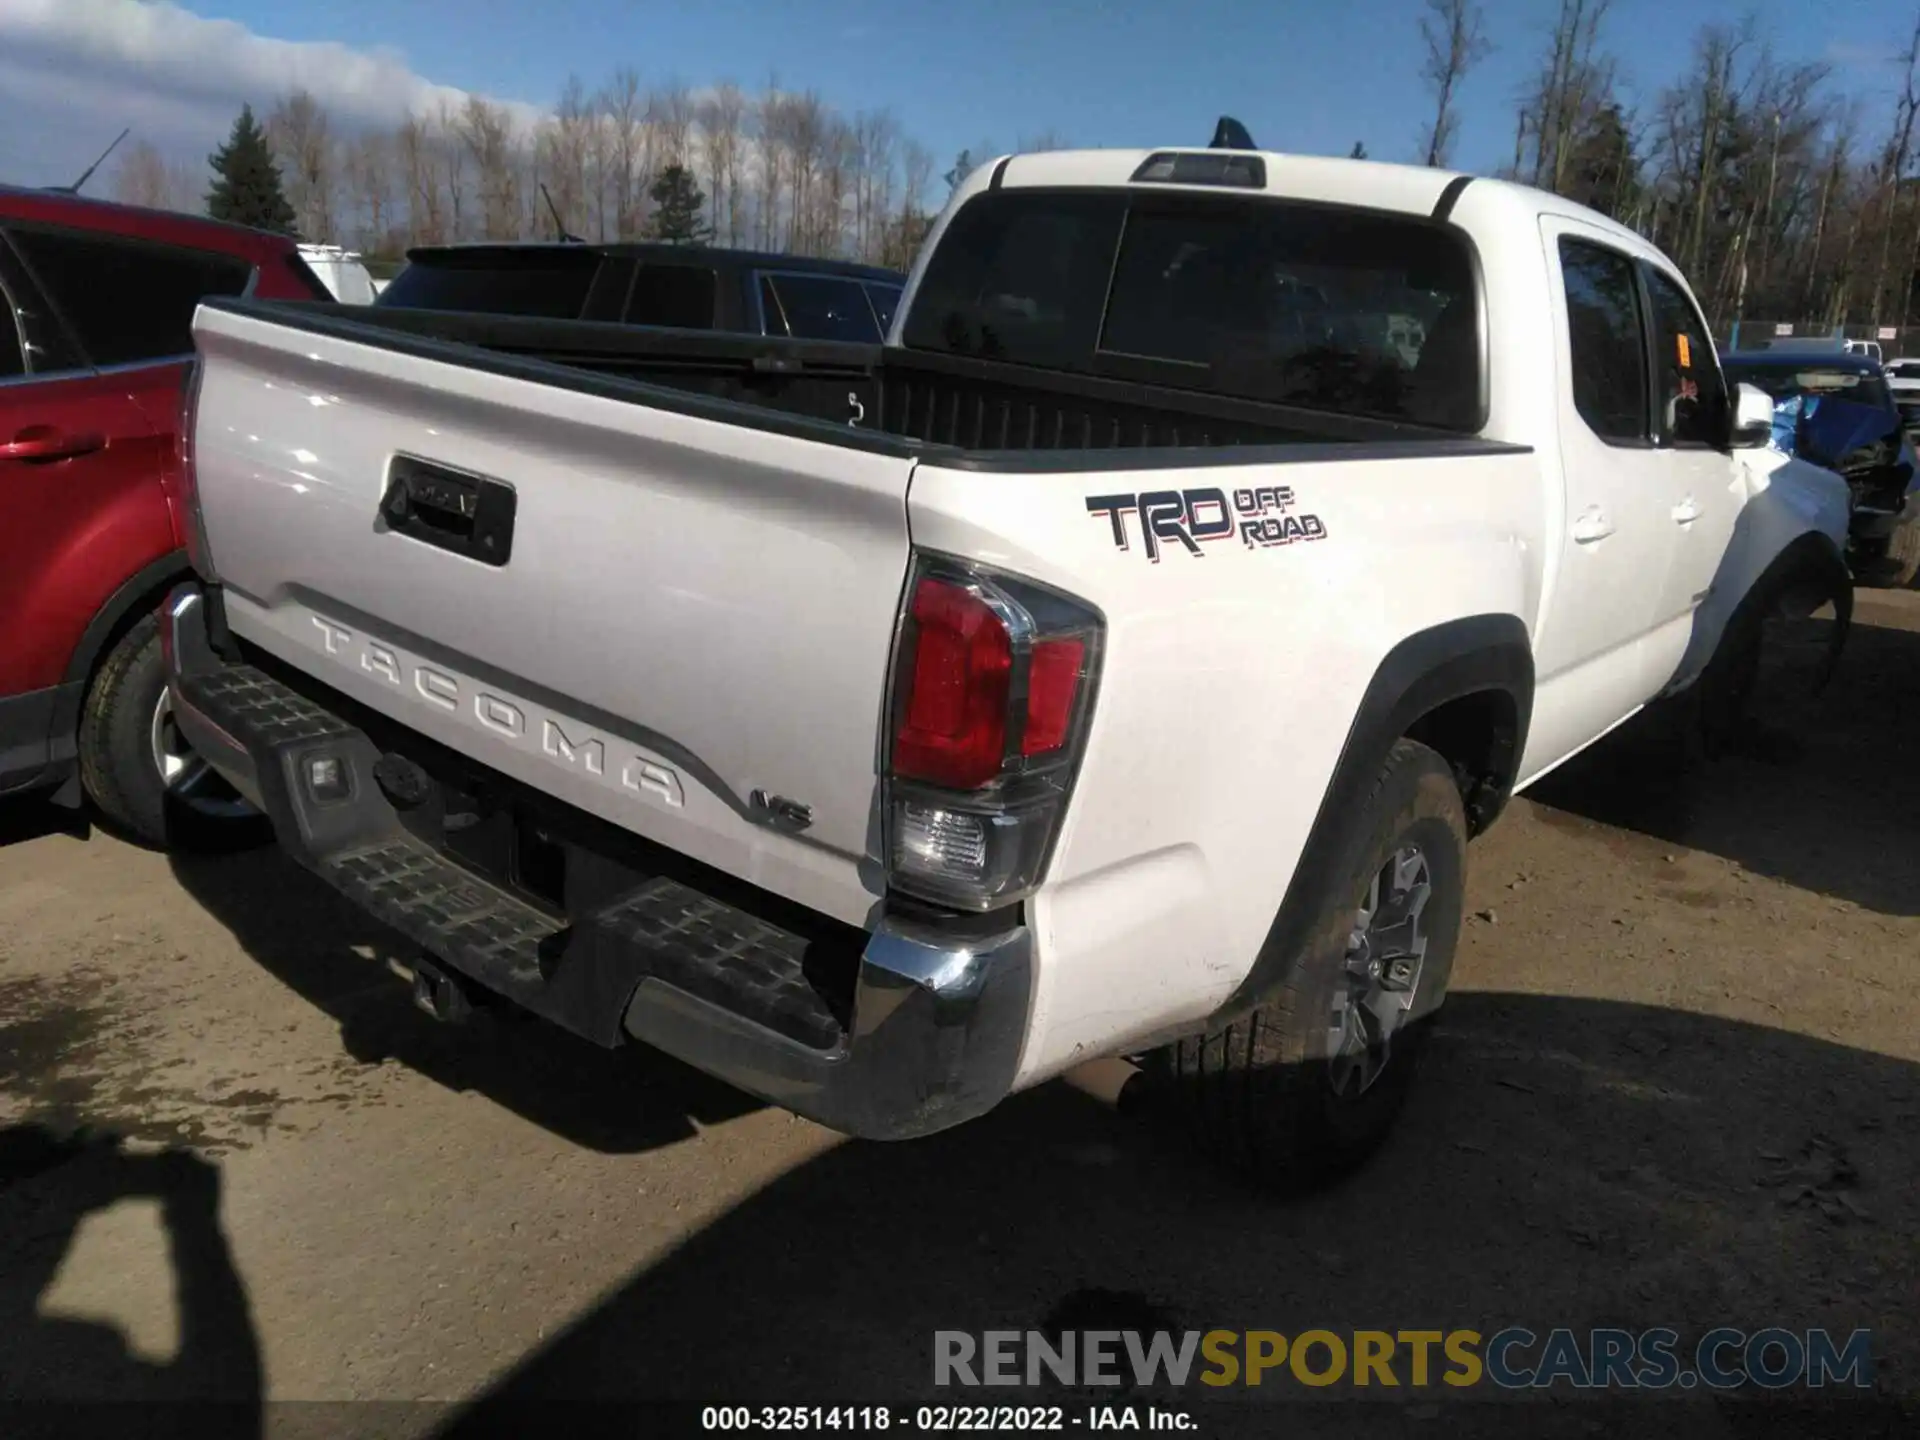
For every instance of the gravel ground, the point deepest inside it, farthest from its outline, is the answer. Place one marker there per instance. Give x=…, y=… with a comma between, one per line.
x=1678, y=1083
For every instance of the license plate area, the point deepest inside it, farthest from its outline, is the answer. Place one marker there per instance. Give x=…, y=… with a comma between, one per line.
x=504, y=843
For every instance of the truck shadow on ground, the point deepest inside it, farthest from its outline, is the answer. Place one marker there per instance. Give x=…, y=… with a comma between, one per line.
x=1821, y=791
x=335, y=957
x=1565, y=1162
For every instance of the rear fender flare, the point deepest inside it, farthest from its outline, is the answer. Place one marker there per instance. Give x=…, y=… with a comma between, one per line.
x=1472, y=655
x=140, y=592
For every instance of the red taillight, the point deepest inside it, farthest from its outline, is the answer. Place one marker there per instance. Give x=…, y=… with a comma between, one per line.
x=1052, y=683
x=953, y=722
x=993, y=690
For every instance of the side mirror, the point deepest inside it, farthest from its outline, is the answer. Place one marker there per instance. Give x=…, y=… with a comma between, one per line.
x=1752, y=417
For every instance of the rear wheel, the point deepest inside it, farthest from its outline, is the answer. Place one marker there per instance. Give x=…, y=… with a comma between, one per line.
x=138, y=768
x=1306, y=1087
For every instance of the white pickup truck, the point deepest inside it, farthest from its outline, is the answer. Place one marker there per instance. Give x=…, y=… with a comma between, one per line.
x=1116, y=662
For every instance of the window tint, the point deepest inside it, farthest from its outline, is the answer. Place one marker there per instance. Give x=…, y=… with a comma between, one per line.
x=677, y=295
x=1329, y=309
x=127, y=300
x=886, y=299
x=551, y=284
x=1607, y=340
x=1324, y=308
x=823, y=307
x=1020, y=276
x=1693, y=399
x=13, y=359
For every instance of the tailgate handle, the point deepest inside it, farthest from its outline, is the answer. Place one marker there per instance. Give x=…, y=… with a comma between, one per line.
x=470, y=515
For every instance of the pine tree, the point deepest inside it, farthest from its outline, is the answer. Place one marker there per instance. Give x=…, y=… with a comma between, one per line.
x=246, y=182
x=677, y=200
x=1359, y=151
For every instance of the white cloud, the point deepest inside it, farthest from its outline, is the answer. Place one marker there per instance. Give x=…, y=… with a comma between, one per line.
x=72, y=72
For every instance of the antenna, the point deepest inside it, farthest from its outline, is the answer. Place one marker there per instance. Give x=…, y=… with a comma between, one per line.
x=559, y=225
x=87, y=174
x=1230, y=134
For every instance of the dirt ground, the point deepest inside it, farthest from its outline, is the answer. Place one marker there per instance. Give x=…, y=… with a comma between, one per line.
x=1678, y=1083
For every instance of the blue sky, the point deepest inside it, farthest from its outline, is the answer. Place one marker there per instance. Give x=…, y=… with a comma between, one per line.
x=1303, y=74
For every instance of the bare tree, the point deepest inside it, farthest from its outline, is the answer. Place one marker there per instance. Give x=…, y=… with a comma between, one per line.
x=805, y=132
x=769, y=131
x=672, y=112
x=1454, y=34
x=875, y=136
x=370, y=183
x=450, y=158
x=568, y=143
x=485, y=133
x=141, y=178
x=303, y=141
x=1893, y=168
x=1572, y=86
x=420, y=182
x=625, y=107
x=722, y=117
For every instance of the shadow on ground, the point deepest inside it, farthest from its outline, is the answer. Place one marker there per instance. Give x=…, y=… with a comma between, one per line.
x=1564, y=1163
x=50, y=1182
x=30, y=817
x=334, y=956
x=1823, y=791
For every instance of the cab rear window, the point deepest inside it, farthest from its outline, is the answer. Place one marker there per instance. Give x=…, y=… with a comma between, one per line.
x=1358, y=311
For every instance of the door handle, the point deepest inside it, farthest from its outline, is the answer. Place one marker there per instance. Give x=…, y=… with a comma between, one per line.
x=43, y=442
x=1594, y=525
x=1686, y=512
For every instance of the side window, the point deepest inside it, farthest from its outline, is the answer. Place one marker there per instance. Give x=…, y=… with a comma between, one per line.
x=1607, y=340
x=127, y=300
x=677, y=295
x=771, y=315
x=825, y=307
x=1693, y=398
x=886, y=299
x=13, y=356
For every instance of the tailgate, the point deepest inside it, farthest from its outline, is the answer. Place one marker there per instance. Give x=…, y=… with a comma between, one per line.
x=689, y=633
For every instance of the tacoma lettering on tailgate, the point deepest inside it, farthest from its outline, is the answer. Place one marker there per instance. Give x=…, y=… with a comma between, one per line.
x=568, y=743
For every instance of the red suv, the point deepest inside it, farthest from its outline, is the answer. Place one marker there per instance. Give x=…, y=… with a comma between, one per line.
x=96, y=304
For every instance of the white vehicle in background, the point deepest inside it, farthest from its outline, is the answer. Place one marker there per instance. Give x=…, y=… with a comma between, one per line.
x=342, y=272
x=1116, y=662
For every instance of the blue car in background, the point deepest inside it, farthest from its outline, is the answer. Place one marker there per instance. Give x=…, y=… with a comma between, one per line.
x=1835, y=409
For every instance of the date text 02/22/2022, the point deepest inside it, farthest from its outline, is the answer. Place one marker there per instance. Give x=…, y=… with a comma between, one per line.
x=944, y=1419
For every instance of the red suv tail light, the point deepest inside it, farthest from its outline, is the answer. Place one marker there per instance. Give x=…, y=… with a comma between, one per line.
x=993, y=685
x=187, y=486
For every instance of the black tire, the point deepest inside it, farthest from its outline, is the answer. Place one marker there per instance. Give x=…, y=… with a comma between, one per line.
x=1259, y=1093
x=117, y=765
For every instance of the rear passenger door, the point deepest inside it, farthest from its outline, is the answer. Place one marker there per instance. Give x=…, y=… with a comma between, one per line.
x=1617, y=541
x=87, y=425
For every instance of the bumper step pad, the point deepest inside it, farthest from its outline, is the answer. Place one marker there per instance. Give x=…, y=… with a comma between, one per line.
x=580, y=975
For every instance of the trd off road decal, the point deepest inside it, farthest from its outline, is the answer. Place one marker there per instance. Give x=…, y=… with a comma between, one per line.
x=1262, y=517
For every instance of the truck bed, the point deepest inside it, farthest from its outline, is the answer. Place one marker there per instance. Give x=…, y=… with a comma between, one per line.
x=884, y=398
